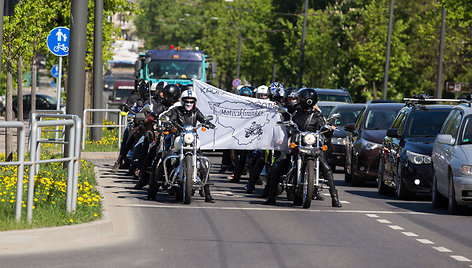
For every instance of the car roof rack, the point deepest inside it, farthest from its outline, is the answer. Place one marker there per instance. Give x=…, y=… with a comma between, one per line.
x=466, y=102
x=423, y=100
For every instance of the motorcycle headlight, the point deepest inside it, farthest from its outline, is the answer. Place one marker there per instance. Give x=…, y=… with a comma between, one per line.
x=418, y=159
x=338, y=141
x=309, y=139
x=370, y=145
x=189, y=138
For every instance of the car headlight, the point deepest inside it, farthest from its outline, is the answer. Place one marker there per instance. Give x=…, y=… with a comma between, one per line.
x=338, y=141
x=309, y=139
x=371, y=145
x=189, y=138
x=466, y=170
x=418, y=159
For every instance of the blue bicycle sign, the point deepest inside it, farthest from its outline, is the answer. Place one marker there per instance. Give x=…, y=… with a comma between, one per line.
x=58, y=41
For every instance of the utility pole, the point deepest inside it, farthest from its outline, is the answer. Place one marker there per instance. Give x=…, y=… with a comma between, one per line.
x=96, y=132
x=387, y=60
x=438, y=93
x=302, y=49
x=78, y=41
x=239, y=55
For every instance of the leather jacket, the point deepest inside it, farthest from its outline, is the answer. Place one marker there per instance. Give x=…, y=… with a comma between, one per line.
x=181, y=117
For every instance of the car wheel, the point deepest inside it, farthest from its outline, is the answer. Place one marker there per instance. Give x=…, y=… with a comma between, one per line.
x=355, y=180
x=452, y=205
x=381, y=187
x=437, y=199
x=401, y=192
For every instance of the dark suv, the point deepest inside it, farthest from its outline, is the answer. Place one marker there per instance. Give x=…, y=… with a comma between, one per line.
x=365, y=140
x=405, y=161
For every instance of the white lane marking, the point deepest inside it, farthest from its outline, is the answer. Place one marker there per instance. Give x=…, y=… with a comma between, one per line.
x=425, y=241
x=293, y=209
x=460, y=258
x=442, y=249
x=396, y=227
x=372, y=215
x=383, y=221
x=409, y=234
x=345, y=202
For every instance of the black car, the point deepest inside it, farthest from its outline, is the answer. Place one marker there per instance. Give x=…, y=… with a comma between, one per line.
x=333, y=95
x=405, y=162
x=43, y=102
x=336, y=153
x=365, y=140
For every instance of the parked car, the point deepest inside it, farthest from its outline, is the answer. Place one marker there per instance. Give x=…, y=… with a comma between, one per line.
x=337, y=95
x=122, y=90
x=365, y=139
x=109, y=82
x=327, y=106
x=336, y=153
x=451, y=157
x=405, y=158
x=43, y=102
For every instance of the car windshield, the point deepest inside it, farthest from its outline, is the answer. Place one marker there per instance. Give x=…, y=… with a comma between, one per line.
x=426, y=123
x=325, y=110
x=171, y=69
x=348, y=116
x=51, y=100
x=466, y=135
x=380, y=119
x=334, y=97
x=122, y=94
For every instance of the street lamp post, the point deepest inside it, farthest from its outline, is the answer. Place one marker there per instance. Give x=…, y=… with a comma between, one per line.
x=387, y=61
x=302, y=49
x=438, y=92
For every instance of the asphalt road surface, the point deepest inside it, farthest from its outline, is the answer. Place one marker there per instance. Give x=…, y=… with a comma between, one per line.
x=238, y=231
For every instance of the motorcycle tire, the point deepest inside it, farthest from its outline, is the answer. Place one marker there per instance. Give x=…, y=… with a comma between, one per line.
x=187, y=182
x=309, y=183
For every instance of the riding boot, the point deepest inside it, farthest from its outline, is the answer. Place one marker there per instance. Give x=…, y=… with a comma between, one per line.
x=317, y=195
x=208, y=197
x=334, y=198
x=143, y=180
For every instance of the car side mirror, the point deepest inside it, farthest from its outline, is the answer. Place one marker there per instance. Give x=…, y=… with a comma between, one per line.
x=334, y=116
x=350, y=127
x=391, y=132
x=445, y=139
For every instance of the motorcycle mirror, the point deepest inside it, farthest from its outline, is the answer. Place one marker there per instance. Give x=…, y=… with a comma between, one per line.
x=147, y=60
x=137, y=65
x=208, y=117
x=164, y=119
x=282, y=110
x=147, y=107
x=124, y=108
x=334, y=116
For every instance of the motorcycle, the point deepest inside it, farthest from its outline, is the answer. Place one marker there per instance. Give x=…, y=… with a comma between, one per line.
x=181, y=168
x=304, y=172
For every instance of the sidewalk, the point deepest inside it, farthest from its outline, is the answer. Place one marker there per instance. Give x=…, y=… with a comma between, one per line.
x=112, y=223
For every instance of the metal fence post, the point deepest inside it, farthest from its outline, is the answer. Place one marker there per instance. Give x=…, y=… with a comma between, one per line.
x=33, y=144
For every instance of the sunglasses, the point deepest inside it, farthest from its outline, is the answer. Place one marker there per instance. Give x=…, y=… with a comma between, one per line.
x=189, y=101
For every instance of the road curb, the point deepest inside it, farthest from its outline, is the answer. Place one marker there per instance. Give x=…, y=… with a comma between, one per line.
x=33, y=238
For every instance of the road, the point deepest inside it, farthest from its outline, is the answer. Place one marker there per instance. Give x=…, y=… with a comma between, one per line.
x=238, y=231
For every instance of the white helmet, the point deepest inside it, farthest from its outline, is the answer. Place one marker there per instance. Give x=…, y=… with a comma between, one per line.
x=262, y=92
x=188, y=98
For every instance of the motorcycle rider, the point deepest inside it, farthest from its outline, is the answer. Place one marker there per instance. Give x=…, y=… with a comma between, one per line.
x=308, y=118
x=186, y=114
x=170, y=95
x=242, y=155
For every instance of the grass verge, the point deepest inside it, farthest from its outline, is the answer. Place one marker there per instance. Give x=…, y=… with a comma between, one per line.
x=49, y=196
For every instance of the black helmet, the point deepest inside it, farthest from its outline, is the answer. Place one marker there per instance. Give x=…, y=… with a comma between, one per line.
x=246, y=91
x=144, y=90
x=307, y=97
x=291, y=99
x=291, y=92
x=171, y=94
x=160, y=86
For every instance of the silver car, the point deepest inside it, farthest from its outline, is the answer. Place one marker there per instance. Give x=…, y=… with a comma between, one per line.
x=452, y=161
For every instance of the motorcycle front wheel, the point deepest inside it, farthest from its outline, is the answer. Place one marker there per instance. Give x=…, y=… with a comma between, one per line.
x=308, y=183
x=188, y=180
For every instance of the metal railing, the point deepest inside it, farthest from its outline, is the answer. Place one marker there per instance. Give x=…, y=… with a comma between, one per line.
x=72, y=124
x=120, y=124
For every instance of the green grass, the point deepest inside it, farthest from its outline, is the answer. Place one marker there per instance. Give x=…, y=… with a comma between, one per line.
x=49, y=197
x=108, y=143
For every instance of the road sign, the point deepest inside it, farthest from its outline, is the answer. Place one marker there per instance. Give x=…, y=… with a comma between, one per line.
x=55, y=71
x=458, y=87
x=236, y=82
x=58, y=41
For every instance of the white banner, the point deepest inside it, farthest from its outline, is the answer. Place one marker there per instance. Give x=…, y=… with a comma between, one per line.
x=241, y=122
